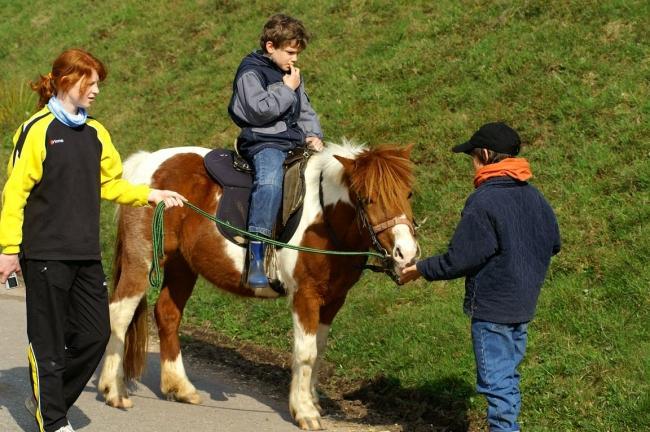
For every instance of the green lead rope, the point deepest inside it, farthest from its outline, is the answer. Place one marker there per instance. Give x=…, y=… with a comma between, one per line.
x=158, y=241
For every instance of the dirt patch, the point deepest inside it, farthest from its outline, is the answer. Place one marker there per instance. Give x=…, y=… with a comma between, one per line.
x=380, y=404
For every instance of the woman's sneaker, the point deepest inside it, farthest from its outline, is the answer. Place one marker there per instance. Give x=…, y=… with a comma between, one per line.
x=30, y=404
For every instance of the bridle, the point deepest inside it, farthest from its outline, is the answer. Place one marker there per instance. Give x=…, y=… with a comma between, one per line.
x=375, y=230
x=387, y=263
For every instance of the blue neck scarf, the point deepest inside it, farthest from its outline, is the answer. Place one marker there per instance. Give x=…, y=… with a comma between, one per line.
x=71, y=120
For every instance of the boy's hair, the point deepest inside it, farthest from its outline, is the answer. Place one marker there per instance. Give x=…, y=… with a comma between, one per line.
x=283, y=30
x=493, y=157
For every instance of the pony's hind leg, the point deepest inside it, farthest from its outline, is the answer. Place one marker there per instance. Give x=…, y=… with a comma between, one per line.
x=128, y=311
x=124, y=312
x=177, y=288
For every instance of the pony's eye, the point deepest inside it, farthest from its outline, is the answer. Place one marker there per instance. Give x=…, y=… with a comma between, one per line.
x=410, y=195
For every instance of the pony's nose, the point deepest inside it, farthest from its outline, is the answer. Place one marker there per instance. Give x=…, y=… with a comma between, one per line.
x=404, y=253
x=404, y=247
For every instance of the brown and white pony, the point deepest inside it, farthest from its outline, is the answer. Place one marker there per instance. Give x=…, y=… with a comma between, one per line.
x=344, y=183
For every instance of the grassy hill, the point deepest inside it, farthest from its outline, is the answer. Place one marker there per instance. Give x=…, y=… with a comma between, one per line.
x=572, y=77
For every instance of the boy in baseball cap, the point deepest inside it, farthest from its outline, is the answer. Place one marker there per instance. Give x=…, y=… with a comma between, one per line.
x=502, y=245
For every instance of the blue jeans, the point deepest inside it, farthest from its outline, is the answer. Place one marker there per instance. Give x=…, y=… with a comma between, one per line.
x=499, y=349
x=267, y=190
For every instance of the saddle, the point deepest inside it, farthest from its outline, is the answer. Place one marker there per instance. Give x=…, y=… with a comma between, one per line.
x=235, y=176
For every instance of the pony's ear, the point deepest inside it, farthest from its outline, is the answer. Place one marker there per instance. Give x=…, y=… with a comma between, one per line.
x=406, y=151
x=348, y=164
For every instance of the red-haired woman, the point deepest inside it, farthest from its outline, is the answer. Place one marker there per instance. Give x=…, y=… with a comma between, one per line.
x=62, y=163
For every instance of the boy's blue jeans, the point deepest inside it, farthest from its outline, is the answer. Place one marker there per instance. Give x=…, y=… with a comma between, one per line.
x=499, y=349
x=267, y=190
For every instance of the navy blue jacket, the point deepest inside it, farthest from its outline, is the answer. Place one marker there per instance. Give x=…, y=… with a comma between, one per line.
x=269, y=113
x=503, y=245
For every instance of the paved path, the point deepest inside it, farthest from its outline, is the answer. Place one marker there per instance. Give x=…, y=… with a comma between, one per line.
x=227, y=404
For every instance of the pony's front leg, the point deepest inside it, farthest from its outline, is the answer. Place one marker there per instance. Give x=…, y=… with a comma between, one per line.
x=327, y=314
x=321, y=343
x=305, y=353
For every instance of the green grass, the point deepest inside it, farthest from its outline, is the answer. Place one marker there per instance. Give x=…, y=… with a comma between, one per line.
x=572, y=77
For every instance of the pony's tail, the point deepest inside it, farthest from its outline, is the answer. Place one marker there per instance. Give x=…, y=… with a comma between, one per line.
x=135, y=340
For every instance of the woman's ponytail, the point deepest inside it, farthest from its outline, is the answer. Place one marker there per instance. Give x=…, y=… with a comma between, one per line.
x=44, y=86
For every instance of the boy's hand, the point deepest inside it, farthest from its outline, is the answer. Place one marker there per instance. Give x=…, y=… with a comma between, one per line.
x=9, y=263
x=314, y=143
x=170, y=198
x=292, y=79
x=409, y=274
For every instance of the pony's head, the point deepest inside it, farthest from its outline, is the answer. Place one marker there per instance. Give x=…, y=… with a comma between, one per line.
x=380, y=181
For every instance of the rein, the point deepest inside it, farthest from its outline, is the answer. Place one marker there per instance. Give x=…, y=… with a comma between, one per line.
x=158, y=242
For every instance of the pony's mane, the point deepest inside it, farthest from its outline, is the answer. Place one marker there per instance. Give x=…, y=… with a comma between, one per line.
x=383, y=173
x=346, y=148
x=325, y=163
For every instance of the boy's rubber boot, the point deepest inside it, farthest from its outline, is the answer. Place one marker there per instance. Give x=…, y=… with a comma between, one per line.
x=256, y=275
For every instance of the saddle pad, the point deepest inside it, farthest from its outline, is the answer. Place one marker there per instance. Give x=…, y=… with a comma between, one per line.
x=237, y=186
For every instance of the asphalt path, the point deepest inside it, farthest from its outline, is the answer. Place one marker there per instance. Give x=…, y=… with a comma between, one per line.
x=228, y=405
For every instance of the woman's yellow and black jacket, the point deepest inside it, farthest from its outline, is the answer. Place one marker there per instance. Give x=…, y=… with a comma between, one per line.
x=56, y=177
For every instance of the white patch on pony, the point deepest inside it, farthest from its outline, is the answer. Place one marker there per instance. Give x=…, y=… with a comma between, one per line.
x=334, y=190
x=140, y=167
x=305, y=352
x=405, y=247
x=111, y=380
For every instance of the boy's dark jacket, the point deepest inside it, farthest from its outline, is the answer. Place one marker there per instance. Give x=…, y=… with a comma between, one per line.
x=503, y=245
x=284, y=132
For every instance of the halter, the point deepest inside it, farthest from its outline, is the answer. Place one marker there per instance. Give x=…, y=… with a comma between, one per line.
x=387, y=262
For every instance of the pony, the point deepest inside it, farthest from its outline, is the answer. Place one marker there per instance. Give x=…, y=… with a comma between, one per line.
x=356, y=197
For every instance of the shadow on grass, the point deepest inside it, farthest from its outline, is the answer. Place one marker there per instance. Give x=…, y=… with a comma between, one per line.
x=440, y=405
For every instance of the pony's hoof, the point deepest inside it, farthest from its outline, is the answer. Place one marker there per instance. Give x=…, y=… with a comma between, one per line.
x=310, y=424
x=120, y=402
x=191, y=398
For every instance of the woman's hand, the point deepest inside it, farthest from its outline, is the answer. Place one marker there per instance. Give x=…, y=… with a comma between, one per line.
x=9, y=263
x=170, y=198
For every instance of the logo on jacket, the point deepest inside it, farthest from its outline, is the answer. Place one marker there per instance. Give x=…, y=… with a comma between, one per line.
x=55, y=141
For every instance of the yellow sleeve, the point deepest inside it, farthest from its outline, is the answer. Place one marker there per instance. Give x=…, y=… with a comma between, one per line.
x=23, y=172
x=113, y=186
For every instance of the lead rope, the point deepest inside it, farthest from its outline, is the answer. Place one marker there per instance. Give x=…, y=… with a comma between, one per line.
x=158, y=241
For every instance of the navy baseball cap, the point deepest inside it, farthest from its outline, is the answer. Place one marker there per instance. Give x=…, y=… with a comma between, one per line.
x=498, y=137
